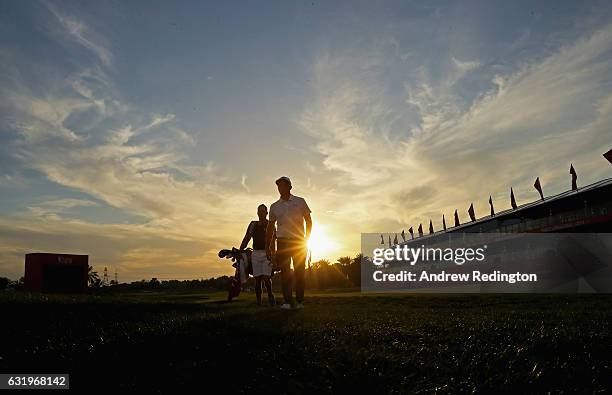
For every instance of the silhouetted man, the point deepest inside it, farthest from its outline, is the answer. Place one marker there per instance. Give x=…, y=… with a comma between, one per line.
x=262, y=268
x=289, y=213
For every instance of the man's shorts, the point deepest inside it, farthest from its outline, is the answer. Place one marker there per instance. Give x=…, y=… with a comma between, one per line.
x=261, y=264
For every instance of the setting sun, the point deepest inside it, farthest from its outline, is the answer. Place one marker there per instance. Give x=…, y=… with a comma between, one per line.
x=320, y=243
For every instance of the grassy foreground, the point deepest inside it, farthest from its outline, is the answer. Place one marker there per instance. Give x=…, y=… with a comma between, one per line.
x=340, y=342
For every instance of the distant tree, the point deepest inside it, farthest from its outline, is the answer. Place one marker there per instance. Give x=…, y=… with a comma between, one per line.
x=93, y=278
x=326, y=275
x=344, y=264
x=354, y=270
x=344, y=261
x=154, y=283
x=320, y=263
x=19, y=284
x=322, y=274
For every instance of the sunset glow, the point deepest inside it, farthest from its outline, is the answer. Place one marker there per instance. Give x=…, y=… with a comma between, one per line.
x=321, y=244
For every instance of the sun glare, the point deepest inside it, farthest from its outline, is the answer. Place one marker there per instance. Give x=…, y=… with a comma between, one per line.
x=320, y=242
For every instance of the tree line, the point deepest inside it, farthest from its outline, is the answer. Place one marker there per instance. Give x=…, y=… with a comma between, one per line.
x=345, y=272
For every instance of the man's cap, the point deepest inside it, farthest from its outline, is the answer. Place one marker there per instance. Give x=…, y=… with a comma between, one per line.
x=284, y=178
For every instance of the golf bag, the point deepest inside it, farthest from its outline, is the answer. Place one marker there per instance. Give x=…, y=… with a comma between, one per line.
x=242, y=262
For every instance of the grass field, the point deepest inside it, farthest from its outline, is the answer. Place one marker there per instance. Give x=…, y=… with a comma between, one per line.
x=342, y=341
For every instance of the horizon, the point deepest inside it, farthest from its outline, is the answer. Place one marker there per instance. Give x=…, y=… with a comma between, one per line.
x=146, y=136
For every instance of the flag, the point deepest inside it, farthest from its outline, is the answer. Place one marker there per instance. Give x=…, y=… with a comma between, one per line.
x=608, y=156
x=403, y=235
x=389, y=241
x=456, y=218
x=512, y=199
x=491, y=204
x=537, y=186
x=471, y=212
x=382, y=239
x=430, y=227
x=420, y=230
x=395, y=239
x=411, y=233
x=574, y=177
x=443, y=222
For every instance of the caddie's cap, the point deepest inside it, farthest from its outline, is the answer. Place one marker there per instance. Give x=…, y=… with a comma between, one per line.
x=284, y=178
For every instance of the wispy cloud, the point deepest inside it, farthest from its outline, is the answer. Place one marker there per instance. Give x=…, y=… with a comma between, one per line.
x=80, y=33
x=53, y=209
x=69, y=203
x=531, y=122
x=80, y=134
x=136, y=251
x=244, y=184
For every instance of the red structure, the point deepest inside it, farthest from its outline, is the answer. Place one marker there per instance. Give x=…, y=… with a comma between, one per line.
x=56, y=273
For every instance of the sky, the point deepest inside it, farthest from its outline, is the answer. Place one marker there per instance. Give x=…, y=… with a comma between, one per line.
x=145, y=134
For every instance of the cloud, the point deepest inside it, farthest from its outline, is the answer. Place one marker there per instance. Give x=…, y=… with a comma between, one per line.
x=415, y=196
x=350, y=121
x=12, y=180
x=53, y=209
x=243, y=183
x=80, y=33
x=69, y=203
x=437, y=100
x=530, y=122
x=157, y=120
x=136, y=251
x=81, y=135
